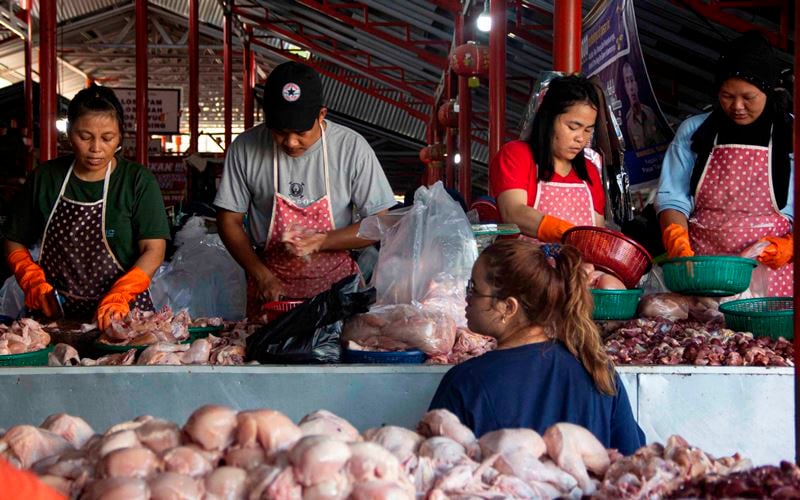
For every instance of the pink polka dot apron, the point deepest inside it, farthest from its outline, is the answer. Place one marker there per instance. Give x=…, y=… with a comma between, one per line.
x=76, y=257
x=735, y=207
x=302, y=277
x=568, y=201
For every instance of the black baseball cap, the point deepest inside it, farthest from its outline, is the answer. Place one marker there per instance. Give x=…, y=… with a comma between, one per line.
x=292, y=97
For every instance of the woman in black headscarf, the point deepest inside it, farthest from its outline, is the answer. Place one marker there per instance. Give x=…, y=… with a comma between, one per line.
x=726, y=179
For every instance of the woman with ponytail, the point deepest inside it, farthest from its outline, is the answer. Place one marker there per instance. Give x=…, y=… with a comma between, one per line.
x=550, y=364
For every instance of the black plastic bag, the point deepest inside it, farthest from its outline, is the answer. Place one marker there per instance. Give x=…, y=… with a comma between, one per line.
x=311, y=332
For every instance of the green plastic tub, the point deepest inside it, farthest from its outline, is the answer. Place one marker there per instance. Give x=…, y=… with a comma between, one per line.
x=615, y=304
x=104, y=348
x=35, y=358
x=198, y=332
x=708, y=276
x=768, y=316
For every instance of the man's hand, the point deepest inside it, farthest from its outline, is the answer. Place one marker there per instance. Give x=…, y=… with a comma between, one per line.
x=268, y=286
x=305, y=245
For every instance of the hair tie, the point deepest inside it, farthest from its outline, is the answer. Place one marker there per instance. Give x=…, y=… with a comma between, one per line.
x=552, y=251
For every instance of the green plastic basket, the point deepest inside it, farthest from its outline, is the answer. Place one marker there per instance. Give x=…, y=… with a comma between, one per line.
x=768, y=316
x=199, y=332
x=615, y=304
x=486, y=234
x=35, y=358
x=102, y=347
x=708, y=276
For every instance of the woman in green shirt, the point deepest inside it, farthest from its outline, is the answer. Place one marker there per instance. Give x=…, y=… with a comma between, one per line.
x=100, y=218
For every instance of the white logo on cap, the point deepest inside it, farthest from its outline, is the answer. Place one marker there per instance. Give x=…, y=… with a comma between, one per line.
x=291, y=92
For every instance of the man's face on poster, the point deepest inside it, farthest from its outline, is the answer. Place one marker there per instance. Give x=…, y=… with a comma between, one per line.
x=631, y=86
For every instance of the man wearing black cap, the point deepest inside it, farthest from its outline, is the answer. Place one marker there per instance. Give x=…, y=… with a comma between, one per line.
x=725, y=185
x=301, y=180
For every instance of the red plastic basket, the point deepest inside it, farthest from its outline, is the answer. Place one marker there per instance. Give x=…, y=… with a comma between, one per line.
x=487, y=211
x=610, y=252
x=276, y=309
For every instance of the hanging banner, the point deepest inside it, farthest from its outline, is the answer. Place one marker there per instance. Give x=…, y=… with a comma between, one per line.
x=610, y=49
x=163, y=112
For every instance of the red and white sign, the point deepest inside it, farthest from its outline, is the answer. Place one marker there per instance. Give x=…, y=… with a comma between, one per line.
x=163, y=115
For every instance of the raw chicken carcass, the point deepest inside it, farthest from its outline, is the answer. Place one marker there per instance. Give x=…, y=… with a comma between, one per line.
x=503, y=440
x=271, y=429
x=369, y=462
x=245, y=458
x=129, y=462
x=444, y=452
x=63, y=355
x=523, y=464
x=401, y=327
x=60, y=484
x=317, y=459
x=25, y=445
x=381, y=490
x=198, y=353
x=226, y=483
x=172, y=486
x=444, y=423
x=326, y=423
x=574, y=449
x=118, y=488
x=159, y=435
x=336, y=488
x=73, y=429
x=163, y=353
x=117, y=441
x=401, y=442
x=273, y=483
x=212, y=426
x=187, y=460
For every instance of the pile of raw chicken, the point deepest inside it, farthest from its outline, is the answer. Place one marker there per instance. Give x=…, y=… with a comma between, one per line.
x=222, y=453
x=25, y=335
x=225, y=348
x=663, y=342
x=147, y=328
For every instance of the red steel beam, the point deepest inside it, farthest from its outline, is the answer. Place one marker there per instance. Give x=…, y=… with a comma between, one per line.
x=28, y=96
x=248, y=77
x=464, y=122
x=796, y=247
x=142, y=101
x=307, y=43
x=567, y=36
x=47, y=80
x=415, y=46
x=227, y=62
x=451, y=6
x=497, y=76
x=713, y=11
x=343, y=79
x=194, y=75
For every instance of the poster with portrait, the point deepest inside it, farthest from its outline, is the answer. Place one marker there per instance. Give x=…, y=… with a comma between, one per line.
x=610, y=49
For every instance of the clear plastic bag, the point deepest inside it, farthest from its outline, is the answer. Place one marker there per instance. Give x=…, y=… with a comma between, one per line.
x=201, y=277
x=420, y=246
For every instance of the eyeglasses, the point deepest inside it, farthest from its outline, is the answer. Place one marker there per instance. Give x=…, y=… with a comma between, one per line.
x=471, y=291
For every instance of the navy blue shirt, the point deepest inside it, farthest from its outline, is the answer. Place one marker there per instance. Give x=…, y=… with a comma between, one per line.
x=535, y=386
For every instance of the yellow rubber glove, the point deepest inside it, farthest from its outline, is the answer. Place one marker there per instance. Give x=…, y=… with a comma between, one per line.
x=551, y=229
x=115, y=304
x=32, y=280
x=779, y=252
x=676, y=241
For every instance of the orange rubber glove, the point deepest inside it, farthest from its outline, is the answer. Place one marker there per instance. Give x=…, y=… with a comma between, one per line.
x=115, y=304
x=32, y=280
x=551, y=229
x=779, y=252
x=18, y=484
x=676, y=241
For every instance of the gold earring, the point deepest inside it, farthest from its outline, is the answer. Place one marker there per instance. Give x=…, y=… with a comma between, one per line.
x=504, y=320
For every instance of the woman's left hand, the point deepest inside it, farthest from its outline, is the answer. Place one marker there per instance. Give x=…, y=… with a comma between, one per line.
x=305, y=245
x=779, y=252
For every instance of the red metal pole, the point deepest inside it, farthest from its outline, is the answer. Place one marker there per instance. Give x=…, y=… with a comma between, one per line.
x=194, y=75
x=796, y=247
x=47, y=80
x=227, y=56
x=567, y=36
x=248, y=77
x=142, y=101
x=28, y=97
x=464, y=120
x=449, y=137
x=497, y=76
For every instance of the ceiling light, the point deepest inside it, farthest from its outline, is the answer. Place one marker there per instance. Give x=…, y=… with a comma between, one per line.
x=457, y=158
x=61, y=125
x=484, y=19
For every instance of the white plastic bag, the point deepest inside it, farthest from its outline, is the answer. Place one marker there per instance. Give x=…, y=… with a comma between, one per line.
x=12, y=299
x=201, y=277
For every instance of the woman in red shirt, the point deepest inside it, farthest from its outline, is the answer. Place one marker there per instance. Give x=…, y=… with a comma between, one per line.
x=545, y=185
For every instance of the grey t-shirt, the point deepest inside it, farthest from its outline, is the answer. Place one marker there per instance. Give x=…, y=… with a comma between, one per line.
x=358, y=184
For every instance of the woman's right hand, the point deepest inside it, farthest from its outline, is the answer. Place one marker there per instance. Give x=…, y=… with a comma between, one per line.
x=268, y=285
x=32, y=280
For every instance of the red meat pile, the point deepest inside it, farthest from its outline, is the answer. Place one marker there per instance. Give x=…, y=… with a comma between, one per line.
x=762, y=482
x=663, y=342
